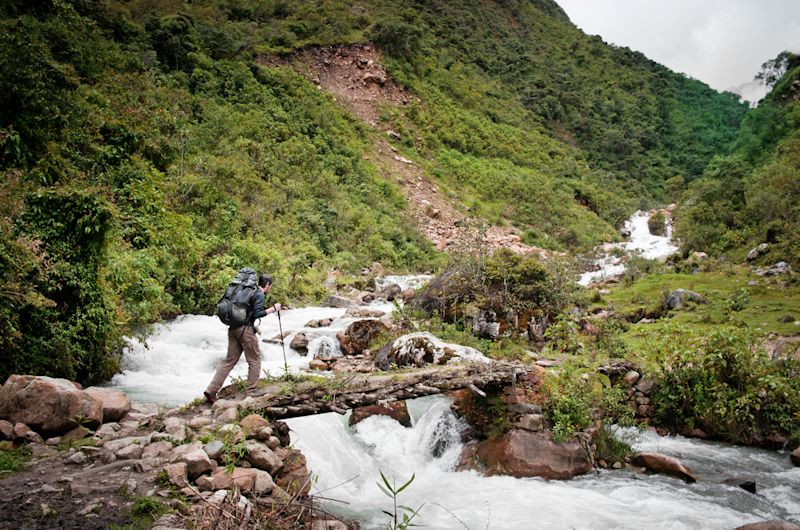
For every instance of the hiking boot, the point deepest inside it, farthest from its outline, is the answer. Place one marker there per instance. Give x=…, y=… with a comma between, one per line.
x=210, y=398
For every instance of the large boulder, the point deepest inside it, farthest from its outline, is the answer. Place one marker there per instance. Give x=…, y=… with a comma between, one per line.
x=418, y=349
x=666, y=465
x=523, y=453
x=115, y=403
x=358, y=335
x=796, y=457
x=48, y=405
x=397, y=410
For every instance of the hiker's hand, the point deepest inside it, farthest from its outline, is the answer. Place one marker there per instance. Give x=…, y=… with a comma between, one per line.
x=276, y=307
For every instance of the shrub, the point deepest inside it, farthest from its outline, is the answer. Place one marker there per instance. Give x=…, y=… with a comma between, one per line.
x=726, y=385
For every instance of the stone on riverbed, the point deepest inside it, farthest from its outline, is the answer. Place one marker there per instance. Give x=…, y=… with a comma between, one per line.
x=522, y=453
x=667, y=465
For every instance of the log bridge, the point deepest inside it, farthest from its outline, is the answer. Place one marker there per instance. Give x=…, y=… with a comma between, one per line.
x=291, y=399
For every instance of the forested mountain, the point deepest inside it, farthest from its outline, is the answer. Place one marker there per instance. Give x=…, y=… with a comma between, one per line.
x=752, y=195
x=148, y=151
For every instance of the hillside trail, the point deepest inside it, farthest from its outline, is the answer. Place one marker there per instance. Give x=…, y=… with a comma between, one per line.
x=355, y=78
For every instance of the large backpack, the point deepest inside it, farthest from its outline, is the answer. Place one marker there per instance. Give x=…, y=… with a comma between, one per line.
x=233, y=309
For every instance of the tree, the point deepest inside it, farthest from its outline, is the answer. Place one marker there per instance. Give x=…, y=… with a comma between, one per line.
x=773, y=70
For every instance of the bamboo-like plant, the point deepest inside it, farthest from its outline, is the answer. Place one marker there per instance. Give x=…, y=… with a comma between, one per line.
x=401, y=520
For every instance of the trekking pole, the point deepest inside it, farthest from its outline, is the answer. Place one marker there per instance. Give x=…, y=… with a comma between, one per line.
x=283, y=347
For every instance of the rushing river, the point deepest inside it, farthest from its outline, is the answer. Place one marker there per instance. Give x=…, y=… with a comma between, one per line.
x=348, y=461
x=176, y=362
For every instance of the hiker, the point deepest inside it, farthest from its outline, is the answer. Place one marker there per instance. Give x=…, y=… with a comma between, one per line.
x=244, y=337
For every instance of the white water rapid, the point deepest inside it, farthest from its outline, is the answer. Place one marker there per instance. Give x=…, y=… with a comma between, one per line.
x=348, y=461
x=177, y=361
x=641, y=242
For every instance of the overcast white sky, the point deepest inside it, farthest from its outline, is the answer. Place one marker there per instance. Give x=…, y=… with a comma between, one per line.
x=720, y=42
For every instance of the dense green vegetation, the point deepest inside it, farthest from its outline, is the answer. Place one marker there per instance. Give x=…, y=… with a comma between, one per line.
x=147, y=154
x=751, y=196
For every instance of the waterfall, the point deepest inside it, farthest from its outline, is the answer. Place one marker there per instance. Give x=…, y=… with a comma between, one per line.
x=641, y=242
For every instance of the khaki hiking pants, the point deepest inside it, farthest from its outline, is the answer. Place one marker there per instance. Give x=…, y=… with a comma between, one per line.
x=240, y=339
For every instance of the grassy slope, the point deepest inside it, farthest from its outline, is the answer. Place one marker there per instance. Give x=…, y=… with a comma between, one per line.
x=770, y=300
x=181, y=160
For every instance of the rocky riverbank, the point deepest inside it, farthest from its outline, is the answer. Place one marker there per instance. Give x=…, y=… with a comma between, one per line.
x=96, y=459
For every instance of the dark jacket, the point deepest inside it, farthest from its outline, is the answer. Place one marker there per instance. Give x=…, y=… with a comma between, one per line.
x=257, y=309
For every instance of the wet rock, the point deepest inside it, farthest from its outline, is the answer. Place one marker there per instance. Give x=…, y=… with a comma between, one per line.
x=678, y=299
x=663, y=464
x=796, y=457
x=366, y=297
x=115, y=403
x=521, y=453
x=339, y=301
x=364, y=312
x=48, y=405
x=358, y=335
x=746, y=484
x=397, y=410
x=281, y=429
x=391, y=291
x=409, y=294
x=300, y=343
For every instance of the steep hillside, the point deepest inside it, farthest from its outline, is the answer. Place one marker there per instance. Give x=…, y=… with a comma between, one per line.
x=150, y=149
x=752, y=196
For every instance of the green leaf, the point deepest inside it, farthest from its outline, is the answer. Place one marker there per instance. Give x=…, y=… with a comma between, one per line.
x=404, y=486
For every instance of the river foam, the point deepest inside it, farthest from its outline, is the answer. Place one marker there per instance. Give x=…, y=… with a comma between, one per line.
x=347, y=462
